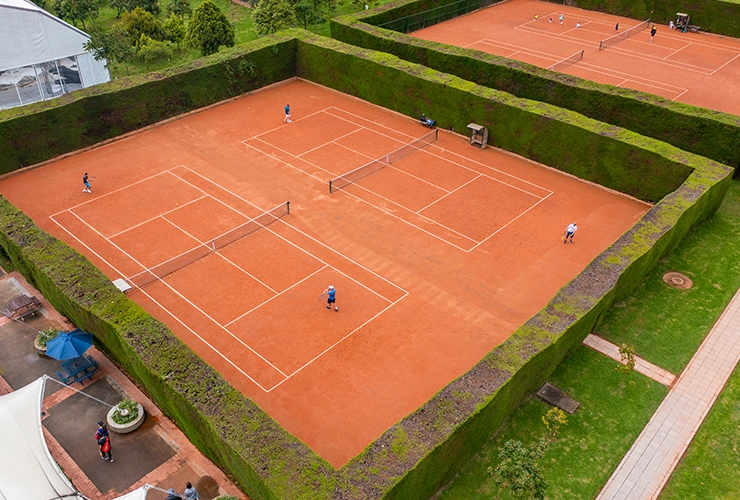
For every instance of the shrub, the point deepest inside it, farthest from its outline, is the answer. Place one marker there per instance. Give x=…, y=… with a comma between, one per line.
x=45, y=336
x=126, y=412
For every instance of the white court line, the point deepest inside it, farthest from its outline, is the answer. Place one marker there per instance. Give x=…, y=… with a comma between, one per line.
x=631, y=78
x=111, y=192
x=152, y=218
x=224, y=357
x=337, y=342
x=679, y=95
x=508, y=223
x=325, y=266
x=677, y=51
x=181, y=295
x=551, y=14
x=449, y=193
x=725, y=64
x=287, y=124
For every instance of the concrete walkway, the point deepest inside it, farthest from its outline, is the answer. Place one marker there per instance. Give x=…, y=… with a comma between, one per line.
x=645, y=469
x=643, y=366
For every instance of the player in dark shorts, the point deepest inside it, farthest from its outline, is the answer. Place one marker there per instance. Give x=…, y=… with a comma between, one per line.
x=86, y=183
x=331, y=297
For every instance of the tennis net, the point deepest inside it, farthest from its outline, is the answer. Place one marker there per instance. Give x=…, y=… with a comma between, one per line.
x=567, y=61
x=624, y=35
x=355, y=175
x=168, y=267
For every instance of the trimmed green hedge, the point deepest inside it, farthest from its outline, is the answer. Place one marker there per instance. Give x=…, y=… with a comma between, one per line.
x=707, y=133
x=422, y=451
x=44, y=130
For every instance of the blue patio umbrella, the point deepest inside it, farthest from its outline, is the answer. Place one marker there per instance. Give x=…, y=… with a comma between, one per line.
x=69, y=345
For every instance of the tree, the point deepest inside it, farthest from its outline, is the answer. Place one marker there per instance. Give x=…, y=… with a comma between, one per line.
x=554, y=420
x=273, y=15
x=179, y=8
x=112, y=45
x=310, y=12
x=174, y=29
x=140, y=22
x=519, y=471
x=76, y=10
x=627, y=355
x=209, y=29
x=153, y=50
x=148, y=5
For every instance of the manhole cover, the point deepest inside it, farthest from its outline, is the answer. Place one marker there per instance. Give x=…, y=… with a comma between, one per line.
x=677, y=280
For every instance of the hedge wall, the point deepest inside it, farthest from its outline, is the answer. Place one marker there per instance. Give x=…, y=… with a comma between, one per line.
x=714, y=16
x=422, y=451
x=44, y=130
x=707, y=133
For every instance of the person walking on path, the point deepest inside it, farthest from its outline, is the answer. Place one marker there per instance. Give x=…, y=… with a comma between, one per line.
x=287, y=114
x=103, y=439
x=561, y=18
x=652, y=33
x=569, y=232
x=86, y=183
x=190, y=493
x=331, y=297
x=171, y=495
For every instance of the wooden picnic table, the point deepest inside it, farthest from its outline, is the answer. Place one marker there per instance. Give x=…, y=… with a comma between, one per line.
x=22, y=306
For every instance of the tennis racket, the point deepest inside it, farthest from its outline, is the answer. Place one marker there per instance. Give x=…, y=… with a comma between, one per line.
x=321, y=296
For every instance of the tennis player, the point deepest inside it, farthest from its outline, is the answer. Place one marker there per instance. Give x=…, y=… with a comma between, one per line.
x=569, y=232
x=331, y=297
x=287, y=114
x=86, y=183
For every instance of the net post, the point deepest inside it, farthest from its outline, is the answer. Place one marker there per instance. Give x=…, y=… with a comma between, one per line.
x=436, y=134
x=287, y=206
x=213, y=245
x=330, y=187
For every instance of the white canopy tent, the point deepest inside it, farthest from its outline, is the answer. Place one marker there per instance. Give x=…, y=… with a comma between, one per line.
x=27, y=469
x=41, y=56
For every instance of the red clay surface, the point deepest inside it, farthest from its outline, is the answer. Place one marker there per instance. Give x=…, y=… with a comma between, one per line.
x=436, y=259
x=695, y=68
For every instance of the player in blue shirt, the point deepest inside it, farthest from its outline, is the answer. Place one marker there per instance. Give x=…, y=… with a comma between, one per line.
x=331, y=294
x=287, y=114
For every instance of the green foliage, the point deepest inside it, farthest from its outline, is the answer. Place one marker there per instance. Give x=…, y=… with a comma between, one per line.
x=45, y=336
x=554, y=420
x=627, y=355
x=114, y=46
x=519, y=469
x=151, y=6
x=179, y=8
x=209, y=29
x=139, y=22
x=152, y=50
x=310, y=11
x=126, y=412
x=76, y=10
x=271, y=16
x=174, y=29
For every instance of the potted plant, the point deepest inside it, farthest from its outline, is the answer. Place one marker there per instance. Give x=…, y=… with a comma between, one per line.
x=126, y=416
x=44, y=336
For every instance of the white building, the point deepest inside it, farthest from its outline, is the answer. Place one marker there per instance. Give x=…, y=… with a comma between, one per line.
x=41, y=56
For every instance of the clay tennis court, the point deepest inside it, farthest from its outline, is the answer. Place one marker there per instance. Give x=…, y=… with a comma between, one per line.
x=701, y=69
x=436, y=258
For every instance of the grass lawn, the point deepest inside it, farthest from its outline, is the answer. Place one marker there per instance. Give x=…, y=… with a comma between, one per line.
x=710, y=469
x=614, y=409
x=667, y=325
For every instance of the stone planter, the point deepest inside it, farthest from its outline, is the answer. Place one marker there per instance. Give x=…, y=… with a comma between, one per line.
x=40, y=350
x=129, y=427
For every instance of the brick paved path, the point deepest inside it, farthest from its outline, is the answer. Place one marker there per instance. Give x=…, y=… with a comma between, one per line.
x=645, y=469
x=648, y=369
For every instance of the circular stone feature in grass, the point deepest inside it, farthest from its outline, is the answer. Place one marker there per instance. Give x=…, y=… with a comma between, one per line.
x=677, y=280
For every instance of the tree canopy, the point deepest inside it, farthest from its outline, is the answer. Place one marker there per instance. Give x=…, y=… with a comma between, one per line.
x=273, y=15
x=209, y=29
